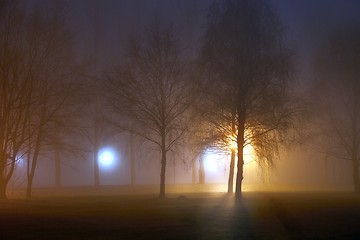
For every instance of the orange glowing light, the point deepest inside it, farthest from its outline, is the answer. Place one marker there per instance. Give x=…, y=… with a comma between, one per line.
x=233, y=145
x=248, y=154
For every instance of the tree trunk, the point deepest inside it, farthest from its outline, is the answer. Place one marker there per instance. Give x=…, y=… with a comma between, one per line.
x=174, y=171
x=355, y=168
x=240, y=163
x=132, y=160
x=3, y=190
x=32, y=166
x=355, y=141
x=240, y=173
x=356, y=180
x=96, y=168
x=194, y=172
x=163, y=166
x=96, y=158
x=232, y=160
x=57, y=169
x=201, y=171
x=162, y=173
x=231, y=172
x=29, y=187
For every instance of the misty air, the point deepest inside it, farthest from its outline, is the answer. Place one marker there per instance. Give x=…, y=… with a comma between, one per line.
x=179, y=119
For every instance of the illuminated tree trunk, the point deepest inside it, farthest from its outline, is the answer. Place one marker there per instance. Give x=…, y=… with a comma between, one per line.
x=231, y=172
x=232, y=160
x=240, y=164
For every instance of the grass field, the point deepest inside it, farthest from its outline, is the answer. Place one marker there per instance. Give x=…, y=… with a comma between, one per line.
x=260, y=215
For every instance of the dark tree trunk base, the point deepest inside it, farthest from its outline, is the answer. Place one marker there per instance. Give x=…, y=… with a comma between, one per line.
x=3, y=191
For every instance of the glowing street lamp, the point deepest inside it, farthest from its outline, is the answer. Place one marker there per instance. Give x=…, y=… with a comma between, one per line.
x=107, y=158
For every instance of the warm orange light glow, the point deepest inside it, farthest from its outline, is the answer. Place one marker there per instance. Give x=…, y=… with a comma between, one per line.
x=248, y=151
x=248, y=154
x=233, y=145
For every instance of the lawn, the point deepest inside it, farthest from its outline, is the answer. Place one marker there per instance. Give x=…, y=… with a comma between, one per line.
x=259, y=215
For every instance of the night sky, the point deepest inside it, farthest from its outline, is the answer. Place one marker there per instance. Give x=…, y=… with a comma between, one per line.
x=110, y=21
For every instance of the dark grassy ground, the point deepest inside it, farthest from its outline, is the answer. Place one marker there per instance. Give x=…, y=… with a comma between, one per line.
x=195, y=216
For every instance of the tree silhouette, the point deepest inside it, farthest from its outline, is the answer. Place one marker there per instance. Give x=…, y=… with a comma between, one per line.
x=14, y=92
x=47, y=45
x=151, y=92
x=336, y=73
x=35, y=89
x=247, y=72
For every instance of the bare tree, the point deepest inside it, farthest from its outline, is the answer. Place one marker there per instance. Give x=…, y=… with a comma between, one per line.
x=337, y=71
x=151, y=92
x=248, y=68
x=48, y=58
x=34, y=89
x=15, y=91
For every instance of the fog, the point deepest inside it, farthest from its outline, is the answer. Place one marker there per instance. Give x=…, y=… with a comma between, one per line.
x=101, y=31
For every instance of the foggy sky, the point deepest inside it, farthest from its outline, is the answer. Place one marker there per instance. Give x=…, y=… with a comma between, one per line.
x=108, y=23
x=101, y=28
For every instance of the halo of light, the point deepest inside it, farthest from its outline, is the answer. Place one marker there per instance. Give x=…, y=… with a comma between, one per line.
x=19, y=161
x=211, y=162
x=248, y=154
x=107, y=158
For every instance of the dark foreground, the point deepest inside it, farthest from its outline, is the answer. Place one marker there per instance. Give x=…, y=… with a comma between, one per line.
x=191, y=216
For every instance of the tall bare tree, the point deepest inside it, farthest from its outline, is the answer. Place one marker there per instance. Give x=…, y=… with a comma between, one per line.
x=248, y=67
x=34, y=88
x=15, y=91
x=48, y=58
x=151, y=92
x=337, y=75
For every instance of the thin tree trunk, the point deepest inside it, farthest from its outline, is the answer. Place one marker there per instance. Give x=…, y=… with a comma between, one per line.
x=132, y=160
x=96, y=168
x=356, y=180
x=3, y=190
x=355, y=166
x=96, y=158
x=194, y=172
x=201, y=171
x=32, y=166
x=162, y=174
x=232, y=160
x=240, y=163
x=354, y=157
x=29, y=187
x=163, y=167
x=231, y=172
x=174, y=171
x=57, y=169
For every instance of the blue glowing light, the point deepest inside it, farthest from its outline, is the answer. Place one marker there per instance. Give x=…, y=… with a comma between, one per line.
x=107, y=158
